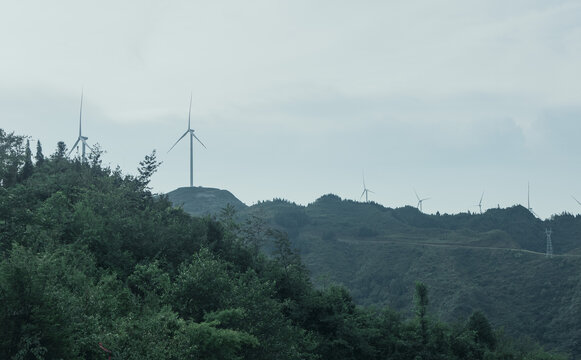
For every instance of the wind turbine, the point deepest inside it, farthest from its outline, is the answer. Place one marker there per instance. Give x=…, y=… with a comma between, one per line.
x=480, y=203
x=192, y=136
x=420, y=201
x=365, y=190
x=81, y=138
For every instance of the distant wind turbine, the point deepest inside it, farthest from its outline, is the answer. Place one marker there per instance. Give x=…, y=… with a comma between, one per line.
x=192, y=136
x=480, y=203
x=420, y=201
x=365, y=190
x=576, y=200
x=81, y=138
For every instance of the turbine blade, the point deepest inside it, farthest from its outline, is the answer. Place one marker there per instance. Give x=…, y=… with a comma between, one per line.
x=87, y=145
x=190, y=113
x=373, y=192
x=200, y=141
x=80, y=114
x=415, y=192
x=74, y=146
x=363, y=193
x=178, y=141
x=576, y=200
x=481, y=197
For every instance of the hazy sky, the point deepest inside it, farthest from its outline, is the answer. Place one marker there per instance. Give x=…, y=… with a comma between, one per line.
x=295, y=99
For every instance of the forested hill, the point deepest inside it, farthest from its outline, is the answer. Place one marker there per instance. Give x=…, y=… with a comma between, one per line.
x=492, y=262
x=93, y=263
x=513, y=227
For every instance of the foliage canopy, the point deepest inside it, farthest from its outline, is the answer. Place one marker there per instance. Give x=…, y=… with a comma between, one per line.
x=89, y=256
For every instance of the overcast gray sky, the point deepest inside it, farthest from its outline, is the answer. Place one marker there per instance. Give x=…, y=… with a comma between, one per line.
x=295, y=99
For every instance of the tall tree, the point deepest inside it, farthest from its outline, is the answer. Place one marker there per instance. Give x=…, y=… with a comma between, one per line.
x=11, y=157
x=147, y=168
x=421, y=306
x=61, y=150
x=482, y=330
x=28, y=167
x=39, y=157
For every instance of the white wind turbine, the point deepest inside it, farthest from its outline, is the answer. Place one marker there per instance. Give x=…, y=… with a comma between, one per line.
x=365, y=191
x=82, y=139
x=480, y=203
x=192, y=136
x=420, y=201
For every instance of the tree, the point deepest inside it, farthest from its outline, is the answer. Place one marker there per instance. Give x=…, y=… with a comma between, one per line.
x=11, y=158
x=147, y=168
x=478, y=323
x=61, y=150
x=421, y=304
x=95, y=156
x=28, y=167
x=39, y=157
x=201, y=286
x=253, y=233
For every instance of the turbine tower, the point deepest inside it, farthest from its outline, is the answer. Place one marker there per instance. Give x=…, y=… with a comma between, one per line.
x=480, y=203
x=192, y=136
x=420, y=201
x=82, y=139
x=365, y=190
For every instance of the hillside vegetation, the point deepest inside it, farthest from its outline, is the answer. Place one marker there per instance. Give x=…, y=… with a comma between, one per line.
x=492, y=262
x=92, y=263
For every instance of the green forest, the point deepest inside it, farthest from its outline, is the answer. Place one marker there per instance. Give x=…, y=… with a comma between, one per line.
x=493, y=262
x=94, y=265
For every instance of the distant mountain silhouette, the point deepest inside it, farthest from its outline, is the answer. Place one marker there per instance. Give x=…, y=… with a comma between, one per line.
x=200, y=201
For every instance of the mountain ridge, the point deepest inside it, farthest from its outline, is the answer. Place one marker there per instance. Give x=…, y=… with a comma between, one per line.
x=470, y=261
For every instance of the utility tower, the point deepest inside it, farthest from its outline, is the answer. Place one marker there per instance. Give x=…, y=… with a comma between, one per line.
x=549, y=252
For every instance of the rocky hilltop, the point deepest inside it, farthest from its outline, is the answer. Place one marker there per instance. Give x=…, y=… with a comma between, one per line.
x=200, y=201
